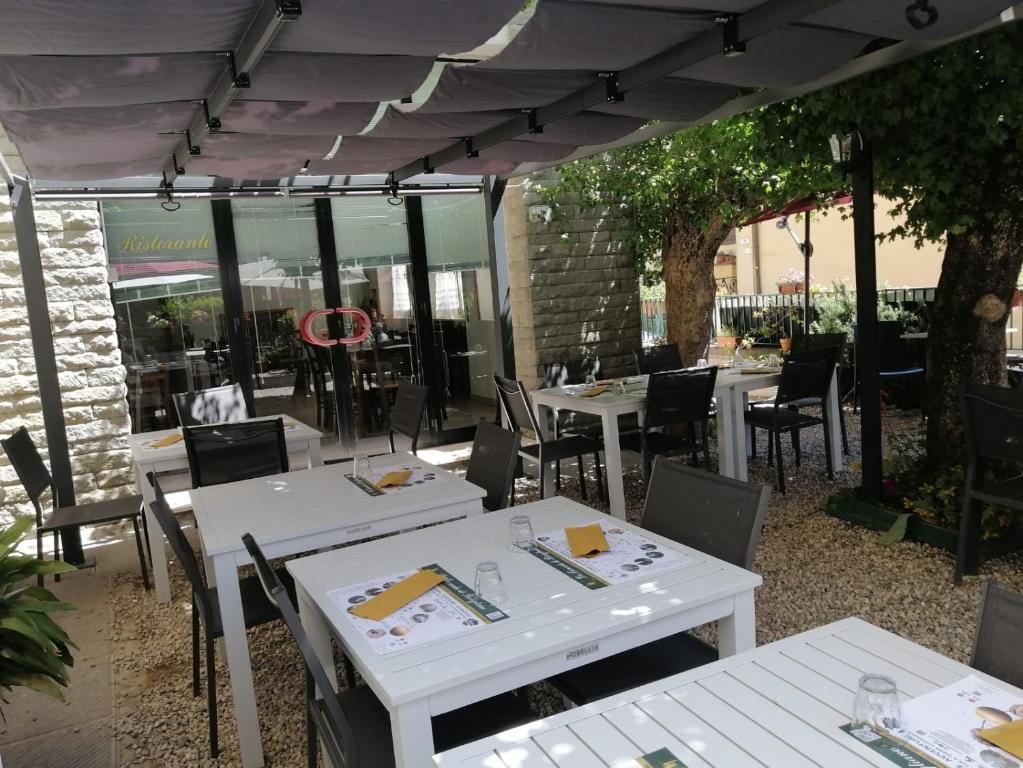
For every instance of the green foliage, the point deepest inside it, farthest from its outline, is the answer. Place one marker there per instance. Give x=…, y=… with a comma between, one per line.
x=945, y=129
x=776, y=320
x=897, y=532
x=34, y=651
x=726, y=170
x=836, y=310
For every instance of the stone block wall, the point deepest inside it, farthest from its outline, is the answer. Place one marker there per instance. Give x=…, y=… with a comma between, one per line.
x=85, y=341
x=573, y=282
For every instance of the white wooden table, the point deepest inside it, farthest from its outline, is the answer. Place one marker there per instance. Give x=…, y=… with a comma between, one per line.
x=780, y=706
x=303, y=444
x=731, y=389
x=554, y=624
x=297, y=512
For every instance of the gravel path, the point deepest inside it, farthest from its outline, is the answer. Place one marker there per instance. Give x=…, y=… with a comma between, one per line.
x=816, y=569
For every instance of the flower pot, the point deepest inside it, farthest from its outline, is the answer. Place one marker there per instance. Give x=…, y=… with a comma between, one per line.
x=788, y=289
x=728, y=342
x=786, y=345
x=1017, y=297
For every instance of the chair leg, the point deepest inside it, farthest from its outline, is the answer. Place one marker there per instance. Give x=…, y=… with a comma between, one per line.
x=781, y=466
x=211, y=693
x=39, y=555
x=841, y=427
x=145, y=534
x=542, y=478
x=56, y=551
x=312, y=747
x=600, y=478
x=753, y=442
x=557, y=478
x=770, y=447
x=195, y=649
x=142, y=554
x=828, y=458
x=582, y=476
x=969, y=537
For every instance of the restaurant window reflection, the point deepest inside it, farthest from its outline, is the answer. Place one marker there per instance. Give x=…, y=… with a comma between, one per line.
x=168, y=305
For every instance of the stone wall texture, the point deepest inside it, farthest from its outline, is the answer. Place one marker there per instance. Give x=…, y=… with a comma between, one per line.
x=573, y=282
x=84, y=339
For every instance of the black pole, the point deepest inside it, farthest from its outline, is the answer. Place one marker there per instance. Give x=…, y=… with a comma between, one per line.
x=431, y=365
x=868, y=385
x=807, y=253
x=46, y=361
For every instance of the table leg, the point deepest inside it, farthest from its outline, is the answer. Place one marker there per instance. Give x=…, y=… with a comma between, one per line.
x=317, y=632
x=613, y=465
x=726, y=436
x=412, y=734
x=157, y=551
x=315, y=457
x=738, y=404
x=835, y=424
x=236, y=644
x=738, y=633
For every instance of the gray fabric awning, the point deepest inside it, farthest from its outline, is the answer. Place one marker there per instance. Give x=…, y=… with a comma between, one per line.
x=108, y=89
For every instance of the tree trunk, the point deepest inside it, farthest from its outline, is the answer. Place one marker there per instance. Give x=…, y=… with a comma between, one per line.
x=966, y=339
x=687, y=258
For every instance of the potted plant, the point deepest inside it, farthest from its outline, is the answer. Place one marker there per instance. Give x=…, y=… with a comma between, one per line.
x=34, y=652
x=727, y=337
x=777, y=321
x=791, y=282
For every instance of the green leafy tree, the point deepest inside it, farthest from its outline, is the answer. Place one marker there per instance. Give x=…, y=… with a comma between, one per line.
x=947, y=132
x=688, y=191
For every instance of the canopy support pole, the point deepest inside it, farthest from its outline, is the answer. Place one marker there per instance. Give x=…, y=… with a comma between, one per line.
x=807, y=249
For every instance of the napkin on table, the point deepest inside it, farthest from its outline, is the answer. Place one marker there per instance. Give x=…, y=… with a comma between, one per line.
x=587, y=540
x=593, y=391
x=163, y=442
x=394, y=478
x=1009, y=737
x=401, y=594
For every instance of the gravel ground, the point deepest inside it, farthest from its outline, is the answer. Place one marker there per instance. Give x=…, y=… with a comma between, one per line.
x=816, y=569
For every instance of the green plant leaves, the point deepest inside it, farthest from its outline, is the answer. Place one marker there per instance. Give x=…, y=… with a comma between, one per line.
x=897, y=532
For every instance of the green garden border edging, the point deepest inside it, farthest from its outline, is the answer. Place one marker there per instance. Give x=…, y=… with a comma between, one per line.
x=853, y=510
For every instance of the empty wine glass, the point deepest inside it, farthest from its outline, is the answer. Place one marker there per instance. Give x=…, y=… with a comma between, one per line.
x=877, y=703
x=489, y=585
x=361, y=466
x=701, y=363
x=520, y=533
x=591, y=381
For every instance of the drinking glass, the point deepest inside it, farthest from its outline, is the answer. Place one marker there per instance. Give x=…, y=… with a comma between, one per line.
x=877, y=703
x=489, y=585
x=520, y=533
x=701, y=363
x=361, y=466
x=591, y=381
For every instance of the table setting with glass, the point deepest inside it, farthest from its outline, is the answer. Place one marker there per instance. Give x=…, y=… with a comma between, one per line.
x=442, y=617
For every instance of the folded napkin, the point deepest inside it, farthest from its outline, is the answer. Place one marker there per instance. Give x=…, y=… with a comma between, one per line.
x=288, y=423
x=163, y=442
x=1009, y=737
x=586, y=540
x=401, y=594
x=593, y=391
x=394, y=478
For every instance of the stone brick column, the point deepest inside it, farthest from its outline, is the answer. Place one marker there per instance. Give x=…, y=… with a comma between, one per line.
x=88, y=359
x=573, y=282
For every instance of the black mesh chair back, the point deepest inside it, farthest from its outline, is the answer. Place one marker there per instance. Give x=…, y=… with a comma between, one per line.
x=516, y=407
x=679, y=397
x=993, y=420
x=716, y=515
x=892, y=352
x=806, y=375
x=560, y=373
x=182, y=549
x=224, y=453
x=211, y=406
x=664, y=357
x=492, y=462
x=407, y=412
x=31, y=469
x=996, y=646
x=332, y=725
x=812, y=342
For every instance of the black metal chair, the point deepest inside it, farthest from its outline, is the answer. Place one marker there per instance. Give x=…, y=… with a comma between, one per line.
x=675, y=400
x=206, y=607
x=996, y=645
x=352, y=724
x=894, y=362
x=35, y=477
x=318, y=360
x=520, y=416
x=802, y=377
x=495, y=452
x=664, y=357
x=812, y=342
x=716, y=515
x=407, y=413
x=993, y=422
x=223, y=453
x=211, y=406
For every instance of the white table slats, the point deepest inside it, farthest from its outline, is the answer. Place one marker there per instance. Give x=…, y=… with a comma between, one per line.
x=778, y=705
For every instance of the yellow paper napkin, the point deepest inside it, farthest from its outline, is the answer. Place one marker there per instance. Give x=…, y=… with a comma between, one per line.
x=587, y=540
x=394, y=478
x=169, y=440
x=401, y=594
x=1009, y=737
x=288, y=423
x=593, y=392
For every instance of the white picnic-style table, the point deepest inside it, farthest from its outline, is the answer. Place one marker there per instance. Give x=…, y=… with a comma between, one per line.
x=731, y=390
x=298, y=512
x=555, y=623
x=778, y=706
x=303, y=450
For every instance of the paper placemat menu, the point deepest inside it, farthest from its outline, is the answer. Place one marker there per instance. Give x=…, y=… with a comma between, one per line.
x=420, y=476
x=448, y=609
x=941, y=728
x=631, y=557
